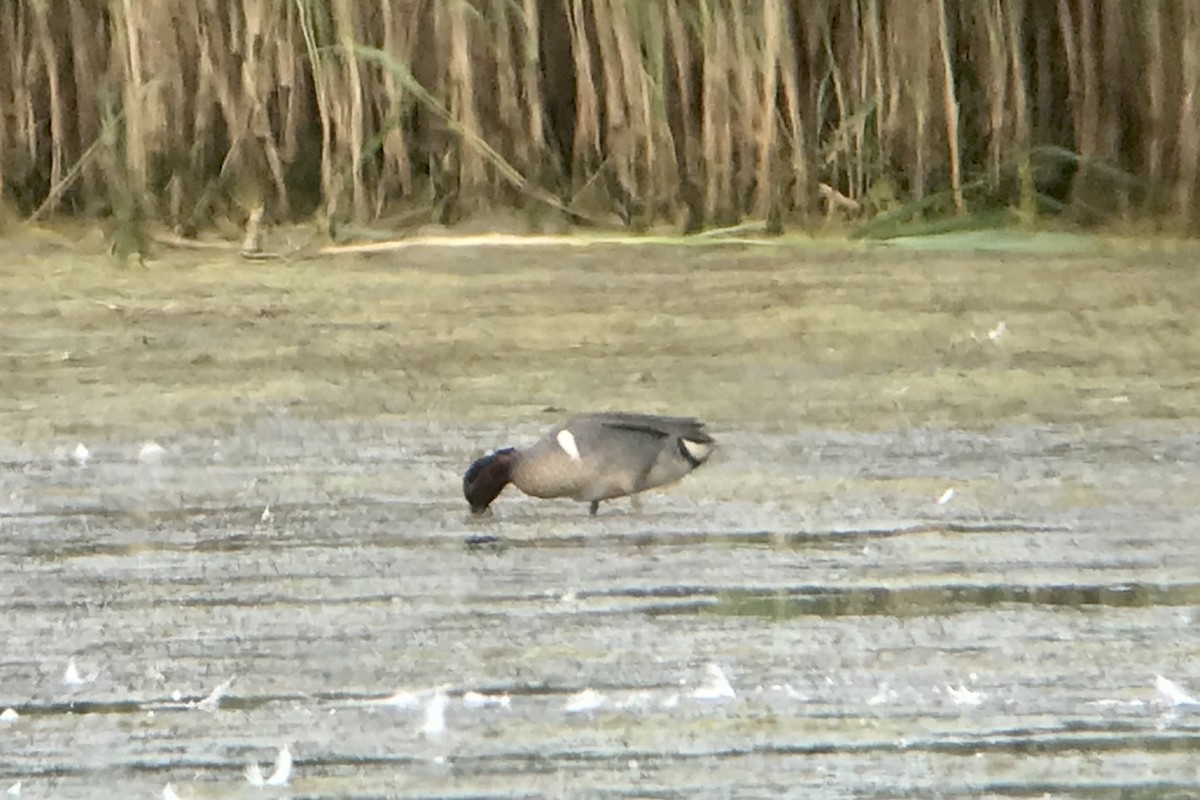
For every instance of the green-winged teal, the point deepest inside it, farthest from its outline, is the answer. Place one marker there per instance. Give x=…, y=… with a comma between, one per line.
x=592, y=458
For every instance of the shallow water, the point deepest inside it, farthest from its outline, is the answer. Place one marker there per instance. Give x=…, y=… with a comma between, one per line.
x=878, y=642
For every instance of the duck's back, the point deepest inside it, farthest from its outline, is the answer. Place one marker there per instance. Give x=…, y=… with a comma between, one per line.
x=601, y=456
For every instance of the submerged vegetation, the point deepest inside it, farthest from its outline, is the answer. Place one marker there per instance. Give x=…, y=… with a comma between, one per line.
x=639, y=111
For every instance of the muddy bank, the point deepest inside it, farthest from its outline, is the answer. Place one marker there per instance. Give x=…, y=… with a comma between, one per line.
x=775, y=336
x=301, y=530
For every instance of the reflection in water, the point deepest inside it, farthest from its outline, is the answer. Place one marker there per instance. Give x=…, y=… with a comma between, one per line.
x=945, y=599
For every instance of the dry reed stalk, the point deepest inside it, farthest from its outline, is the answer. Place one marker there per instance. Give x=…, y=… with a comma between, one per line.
x=506, y=70
x=286, y=67
x=1088, y=135
x=717, y=129
x=912, y=41
x=535, y=125
x=1117, y=45
x=662, y=171
x=1112, y=82
x=1014, y=14
x=472, y=168
x=257, y=81
x=1189, y=121
x=894, y=72
x=839, y=147
x=1079, y=77
x=308, y=21
x=207, y=84
x=8, y=46
x=348, y=102
x=175, y=97
x=872, y=32
x=800, y=199
x=586, y=145
x=394, y=99
x=998, y=75
x=57, y=111
x=683, y=128
x=129, y=44
x=714, y=169
x=636, y=92
x=465, y=138
x=1154, y=86
x=1048, y=64
x=855, y=75
x=725, y=211
x=744, y=67
x=950, y=106
x=609, y=64
x=1078, y=41
x=185, y=94
x=24, y=78
x=772, y=48
x=619, y=134
x=707, y=103
x=220, y=85
x=57, y=190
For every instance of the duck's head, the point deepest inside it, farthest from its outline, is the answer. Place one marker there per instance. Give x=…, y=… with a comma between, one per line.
x=487, y=477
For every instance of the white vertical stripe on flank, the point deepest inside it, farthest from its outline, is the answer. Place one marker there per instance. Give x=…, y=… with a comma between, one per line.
x=566, y=440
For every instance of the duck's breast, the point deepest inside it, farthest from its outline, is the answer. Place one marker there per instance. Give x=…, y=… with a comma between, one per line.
x=548, y=469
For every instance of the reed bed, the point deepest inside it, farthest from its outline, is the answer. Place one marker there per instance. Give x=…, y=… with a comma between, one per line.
x=705, y=112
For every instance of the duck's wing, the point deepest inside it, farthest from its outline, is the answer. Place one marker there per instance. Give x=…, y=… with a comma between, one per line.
x=652, y=424
x=664, y=447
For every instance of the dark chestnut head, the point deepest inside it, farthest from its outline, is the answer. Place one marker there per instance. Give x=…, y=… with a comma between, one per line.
x=487, y=477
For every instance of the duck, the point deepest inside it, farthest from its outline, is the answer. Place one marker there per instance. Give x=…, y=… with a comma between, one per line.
x=593, y=457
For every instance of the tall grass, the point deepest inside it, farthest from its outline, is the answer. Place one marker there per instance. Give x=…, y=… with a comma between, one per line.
x=706, y=111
